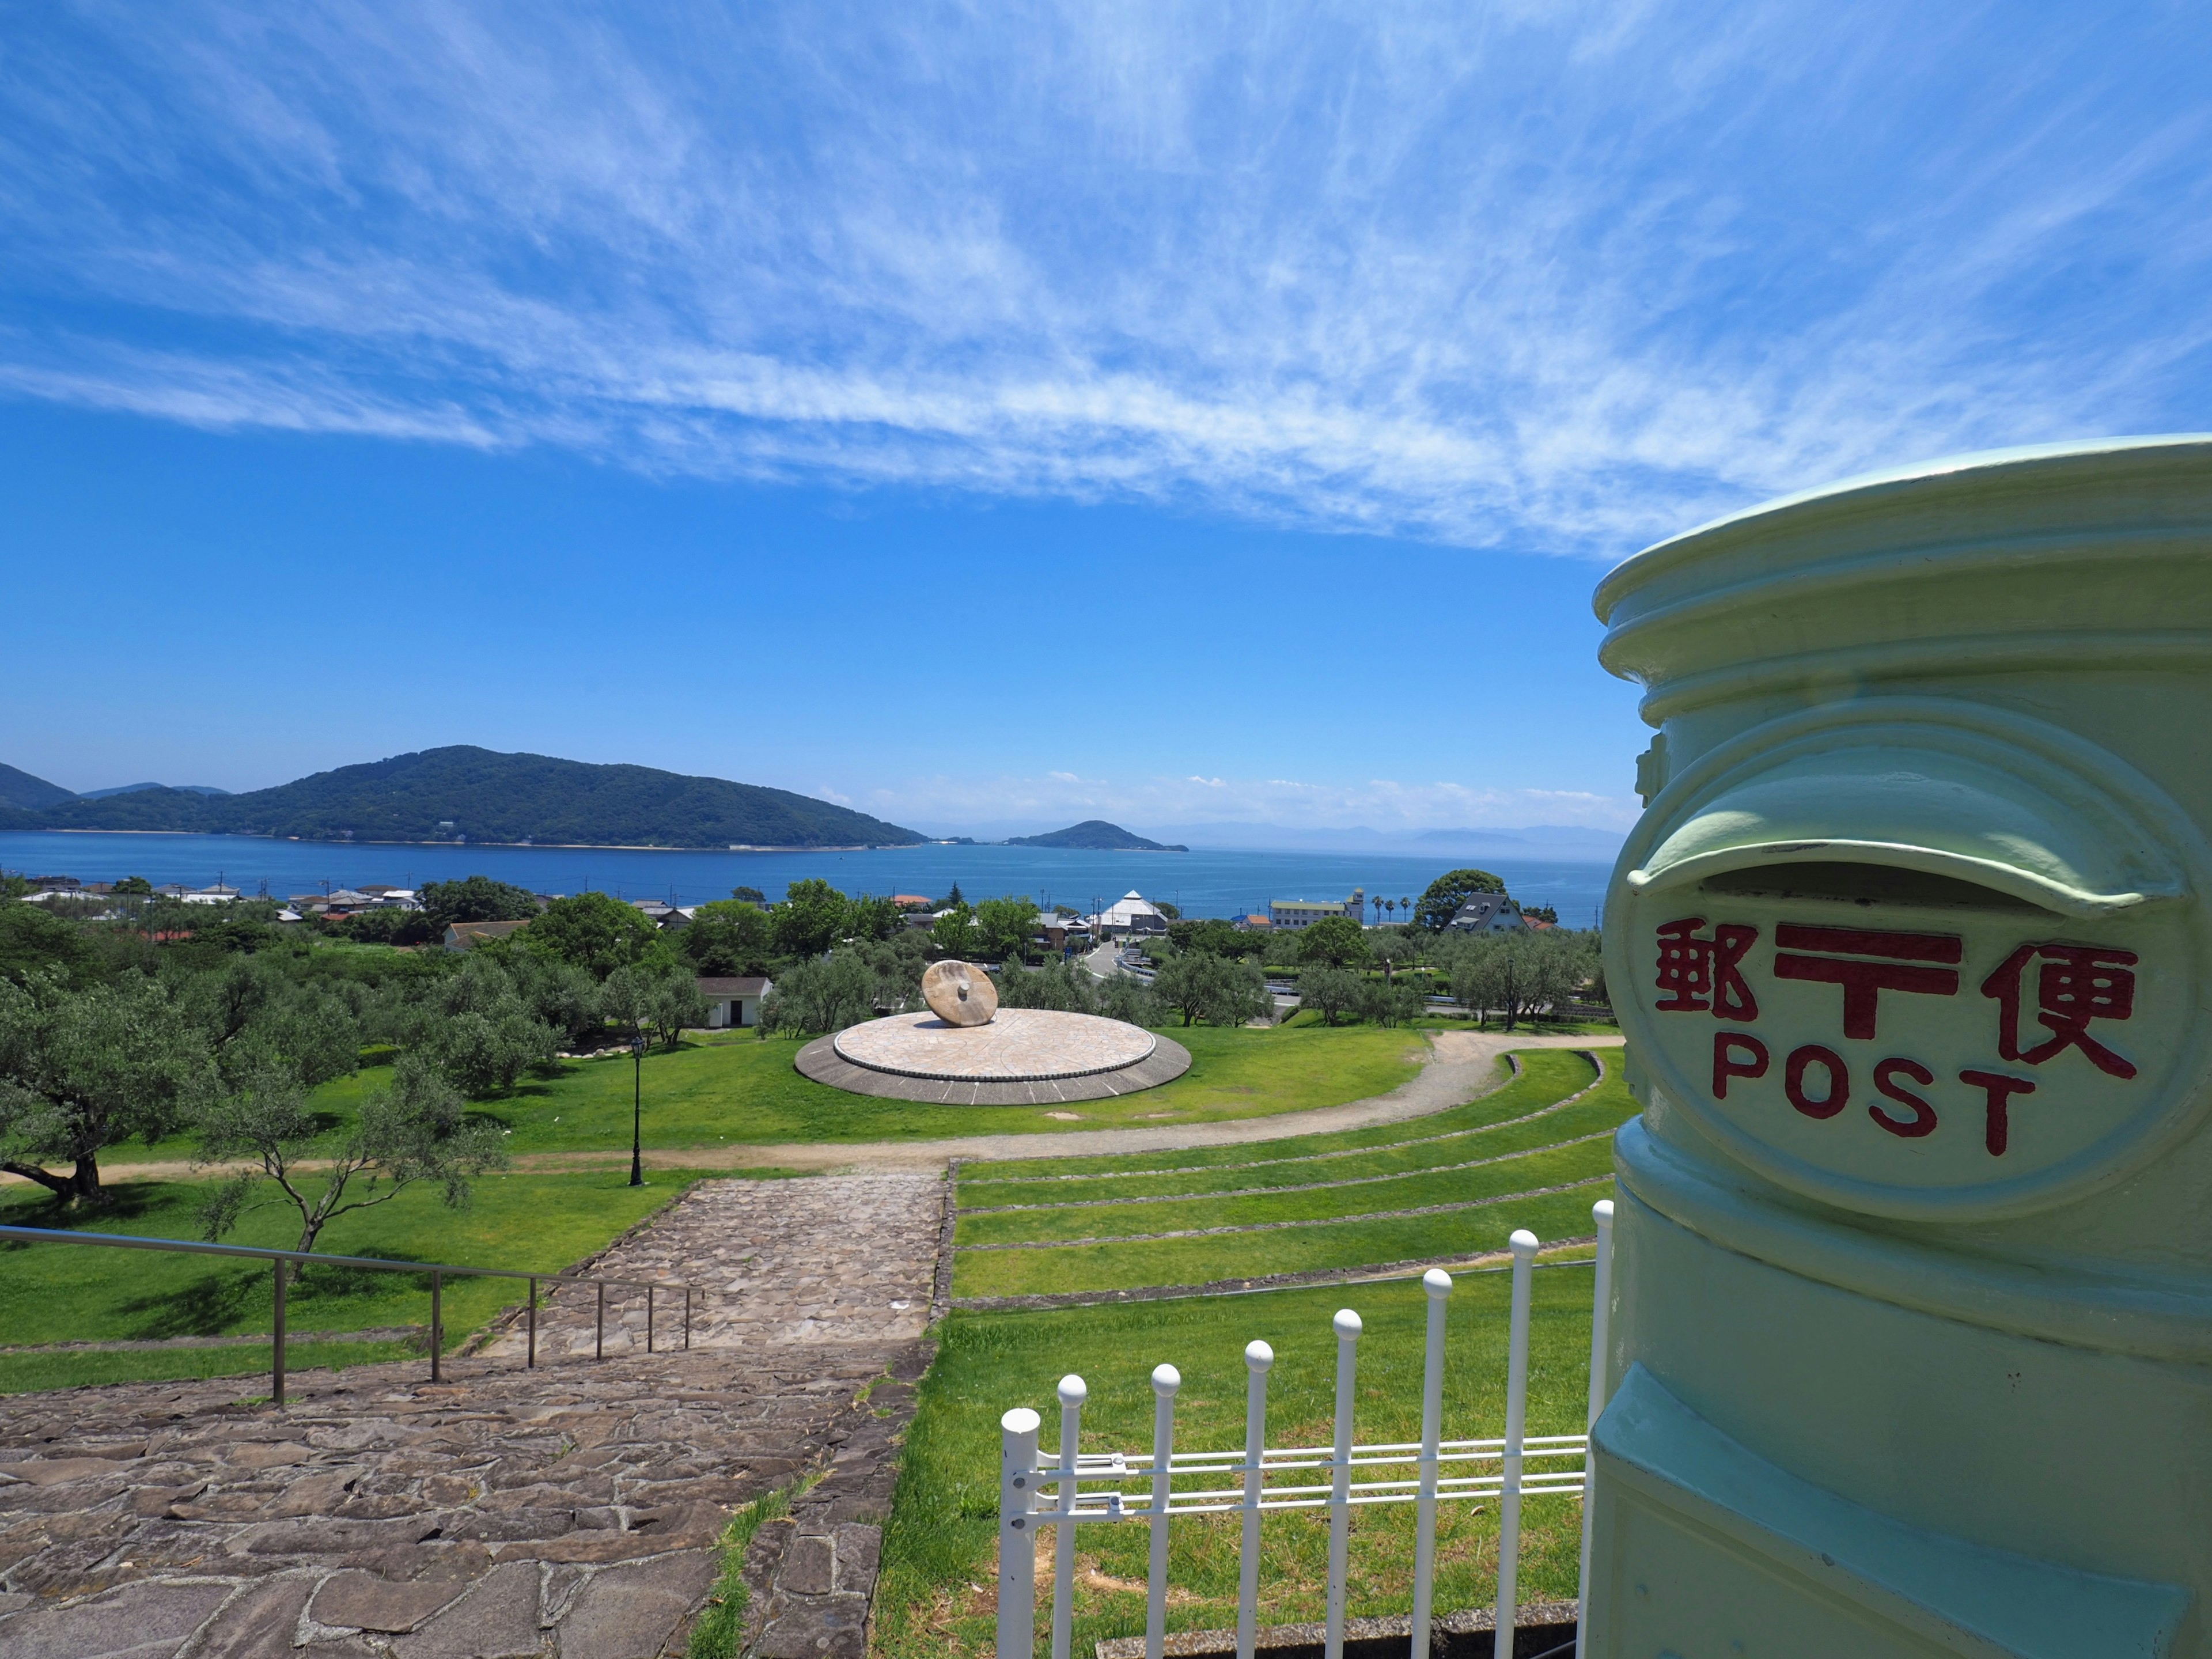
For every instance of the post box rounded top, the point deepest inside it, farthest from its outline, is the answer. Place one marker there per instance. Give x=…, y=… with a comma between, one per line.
x=2107, y=538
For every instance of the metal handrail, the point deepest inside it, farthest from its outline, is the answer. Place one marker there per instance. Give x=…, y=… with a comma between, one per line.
x=437, y=1270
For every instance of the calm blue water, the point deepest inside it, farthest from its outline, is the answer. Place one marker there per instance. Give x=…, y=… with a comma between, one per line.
x=1204, y=883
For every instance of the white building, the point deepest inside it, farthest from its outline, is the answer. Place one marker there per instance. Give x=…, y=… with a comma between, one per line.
x=1487, y=913
x=1293, y=913
x=1130, y=913
x=733, y=1002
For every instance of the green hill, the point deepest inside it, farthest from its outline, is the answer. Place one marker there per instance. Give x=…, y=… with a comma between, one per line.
x=463, y=792
x=29, y=794
x=1096, y=836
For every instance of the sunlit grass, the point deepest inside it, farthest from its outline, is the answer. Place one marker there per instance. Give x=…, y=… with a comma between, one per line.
x=936, y=1595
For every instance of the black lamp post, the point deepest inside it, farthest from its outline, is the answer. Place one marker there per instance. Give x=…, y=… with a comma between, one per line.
x=636, y=1107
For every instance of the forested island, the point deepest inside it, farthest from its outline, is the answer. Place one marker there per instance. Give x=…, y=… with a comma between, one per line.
x=466, y=794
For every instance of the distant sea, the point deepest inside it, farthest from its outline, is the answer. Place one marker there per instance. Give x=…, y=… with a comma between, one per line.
x=1211, y=883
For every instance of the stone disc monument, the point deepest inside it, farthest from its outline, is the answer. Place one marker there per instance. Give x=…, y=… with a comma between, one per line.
x=969, y=1051
x=1911, y=1352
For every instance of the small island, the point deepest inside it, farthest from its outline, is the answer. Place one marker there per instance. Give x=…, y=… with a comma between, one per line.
x=1096, y=836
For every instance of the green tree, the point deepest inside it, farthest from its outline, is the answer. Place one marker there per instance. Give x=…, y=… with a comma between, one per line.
x=480, y=1034
x=1335, y=940
x=677, y=1006
x=1214, y=989
x=256, y=1014
x=1213, y=935
x=133, y=887
x=728, y=937
x=1541, y=912
x=752, y=896
x=1388, y=1005
x=873, y=917
x=83, y=1071
x=1329, y=992
x=475, y=898
x=1005, y=926
x=813, y=916
x=1395, y=948
x=1450, y=890
x=562, y=996
x=1128, y=999
x=596, y=930
x=954, y=934
x=1064, y=986
x=414, y=1131
x=1519, y=975
x=819, y=995
x=33, y=942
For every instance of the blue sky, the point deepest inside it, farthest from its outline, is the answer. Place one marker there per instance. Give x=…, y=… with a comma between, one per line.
x=988, y=414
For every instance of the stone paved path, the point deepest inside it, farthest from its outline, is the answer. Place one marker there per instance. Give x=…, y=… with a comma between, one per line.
x=568, y=1512
x=837, y=1259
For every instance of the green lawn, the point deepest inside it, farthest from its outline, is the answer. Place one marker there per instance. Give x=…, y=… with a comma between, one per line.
x=936, y=1595
x=1466, y=1132
x=54, y=1292
x=713, y=1092
x=1234, y=1256
x=1516, y=1173
x=1324, y=1210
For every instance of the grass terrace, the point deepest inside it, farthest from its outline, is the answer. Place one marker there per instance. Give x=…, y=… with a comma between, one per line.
x=1534, y=1153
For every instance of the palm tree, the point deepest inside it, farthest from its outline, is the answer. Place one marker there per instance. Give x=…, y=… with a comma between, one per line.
x=1391, y=905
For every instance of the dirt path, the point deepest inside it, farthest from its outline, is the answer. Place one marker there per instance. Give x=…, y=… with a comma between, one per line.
x=1461, y=1066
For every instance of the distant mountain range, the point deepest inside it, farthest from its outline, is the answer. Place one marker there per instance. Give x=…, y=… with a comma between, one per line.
x=464, y=794
x=1565, y=843
x=1095, y=835
x=133, y=788
x=1560, y=843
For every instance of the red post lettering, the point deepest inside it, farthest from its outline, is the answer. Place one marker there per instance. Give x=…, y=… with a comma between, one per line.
x=1839, y=1081
x=2076, y=983
x=1998, y=1091
x=1726, y=1067
x=1864, y=982
x=1923, y=1121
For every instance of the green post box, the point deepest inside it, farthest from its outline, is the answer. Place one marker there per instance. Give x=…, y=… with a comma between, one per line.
x=1912, y=1337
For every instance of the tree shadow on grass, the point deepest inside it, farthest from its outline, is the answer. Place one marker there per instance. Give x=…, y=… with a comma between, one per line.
x=211, y=1306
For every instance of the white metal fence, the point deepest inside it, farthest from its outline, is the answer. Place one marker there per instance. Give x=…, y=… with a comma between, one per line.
x=1072, y=1487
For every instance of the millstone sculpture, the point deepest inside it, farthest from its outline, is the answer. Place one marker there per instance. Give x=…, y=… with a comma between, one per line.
x=959, y=993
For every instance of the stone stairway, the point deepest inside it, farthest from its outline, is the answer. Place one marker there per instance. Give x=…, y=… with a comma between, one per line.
x=568, y=1512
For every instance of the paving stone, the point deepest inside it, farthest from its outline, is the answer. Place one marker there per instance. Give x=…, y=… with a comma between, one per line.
x=364, y=1602
x=496, y=1620
x=139, y=1621
x=259, y=1622
x=53, y=1471
x=630, y=1611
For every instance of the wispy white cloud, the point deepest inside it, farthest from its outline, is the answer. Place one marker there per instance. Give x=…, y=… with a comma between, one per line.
x=1558, y=277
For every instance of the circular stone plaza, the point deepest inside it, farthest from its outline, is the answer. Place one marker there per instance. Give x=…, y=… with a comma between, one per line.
x=1018, y=1057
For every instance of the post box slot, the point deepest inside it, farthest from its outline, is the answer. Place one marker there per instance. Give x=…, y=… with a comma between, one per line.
x=1876, y=816
x=1867, y=884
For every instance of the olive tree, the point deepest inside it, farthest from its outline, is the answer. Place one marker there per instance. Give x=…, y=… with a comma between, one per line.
x=1329, y=992
x=84, y=1070
x=1214, y=989
x=412, y=1131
